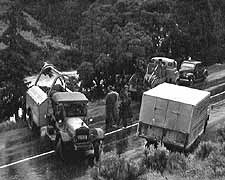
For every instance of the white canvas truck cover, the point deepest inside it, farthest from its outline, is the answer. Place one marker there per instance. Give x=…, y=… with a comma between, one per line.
x=171, y=106
x=36, y=100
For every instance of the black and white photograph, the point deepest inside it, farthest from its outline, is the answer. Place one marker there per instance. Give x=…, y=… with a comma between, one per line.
x=112, y=89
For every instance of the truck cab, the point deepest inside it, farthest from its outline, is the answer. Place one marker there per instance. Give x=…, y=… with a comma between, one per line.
x=63, y=114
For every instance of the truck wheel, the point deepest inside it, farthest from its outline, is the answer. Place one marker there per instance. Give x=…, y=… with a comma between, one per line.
x=60, y=148
x=91, y=160
x=97, y=149
x=30, y=121
x=31, y=125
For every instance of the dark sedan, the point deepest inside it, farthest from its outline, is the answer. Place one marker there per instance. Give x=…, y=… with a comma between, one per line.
x=191, y=72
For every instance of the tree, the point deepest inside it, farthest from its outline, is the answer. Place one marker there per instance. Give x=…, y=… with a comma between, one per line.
x=12, y=74
x=14, y=65
x=86, y=74
x=104, y=72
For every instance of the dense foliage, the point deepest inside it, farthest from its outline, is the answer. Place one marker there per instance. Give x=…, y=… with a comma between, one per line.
x=14, y=65
x=118, y=33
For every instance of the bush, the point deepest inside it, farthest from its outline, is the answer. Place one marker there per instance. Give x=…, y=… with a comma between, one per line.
x=216, y=163
x=176, y=163
x=114, y=167
x=196, y=169
x=156, y=159
x=204, y=149
x=221, y=134
x=222, y=149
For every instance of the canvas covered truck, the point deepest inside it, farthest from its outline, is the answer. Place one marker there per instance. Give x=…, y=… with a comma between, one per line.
x=173, y=115
x=63, y=113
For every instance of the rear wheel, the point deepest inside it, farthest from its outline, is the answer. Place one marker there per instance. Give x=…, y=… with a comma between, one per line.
x=31, y=125
x=30, y=121
x=91, y=160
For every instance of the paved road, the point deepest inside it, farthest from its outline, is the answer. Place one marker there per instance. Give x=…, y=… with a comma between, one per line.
x=22, y=158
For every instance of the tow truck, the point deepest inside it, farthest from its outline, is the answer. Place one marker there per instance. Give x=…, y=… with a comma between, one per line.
x=63, y=114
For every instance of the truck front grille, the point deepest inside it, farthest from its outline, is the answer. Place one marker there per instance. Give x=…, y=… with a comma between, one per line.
x=82, y=135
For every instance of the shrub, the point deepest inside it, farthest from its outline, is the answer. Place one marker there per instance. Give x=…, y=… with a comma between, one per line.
x=156, y=159
x=113, y=167
x=221, y=134
x=196, y=169
x=176, y=163
x=216, y=163
x=204, y=149
x=222, y=149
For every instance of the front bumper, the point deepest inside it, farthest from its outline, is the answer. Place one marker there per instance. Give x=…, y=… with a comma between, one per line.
x=184, y=81
x=86, y=146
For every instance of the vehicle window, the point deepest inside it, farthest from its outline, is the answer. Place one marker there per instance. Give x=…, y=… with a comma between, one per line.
x=187, y=66
x=74, y=109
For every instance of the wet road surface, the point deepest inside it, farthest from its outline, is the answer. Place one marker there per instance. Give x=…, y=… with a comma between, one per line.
x=20, y=144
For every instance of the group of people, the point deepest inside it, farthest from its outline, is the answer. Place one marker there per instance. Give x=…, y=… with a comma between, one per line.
x=118, y=108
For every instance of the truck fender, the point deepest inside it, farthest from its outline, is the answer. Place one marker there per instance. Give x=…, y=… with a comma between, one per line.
x=65, y=136
x=97, y=134
x=100, y=133
x=190, y=75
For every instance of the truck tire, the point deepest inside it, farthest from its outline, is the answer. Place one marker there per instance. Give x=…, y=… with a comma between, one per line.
x=31, y=125
x=91, y=160
x=97, y=149
x=30, y=121
x=60, y=149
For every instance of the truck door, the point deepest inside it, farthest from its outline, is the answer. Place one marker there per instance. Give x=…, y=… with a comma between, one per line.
x=173, y=111
x=160, y=112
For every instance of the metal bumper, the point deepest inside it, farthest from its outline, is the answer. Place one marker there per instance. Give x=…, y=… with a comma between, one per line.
x=183, y=80
x=83, y=146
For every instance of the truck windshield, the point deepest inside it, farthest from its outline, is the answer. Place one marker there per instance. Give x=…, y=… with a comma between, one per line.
x=74, y=109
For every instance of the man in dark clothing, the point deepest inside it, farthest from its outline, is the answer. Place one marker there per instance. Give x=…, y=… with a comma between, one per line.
x=125, y=111
x=111, y=108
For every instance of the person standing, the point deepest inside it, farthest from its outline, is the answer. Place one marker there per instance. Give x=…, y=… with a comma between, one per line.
x=125, y=111
x=111, y=108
